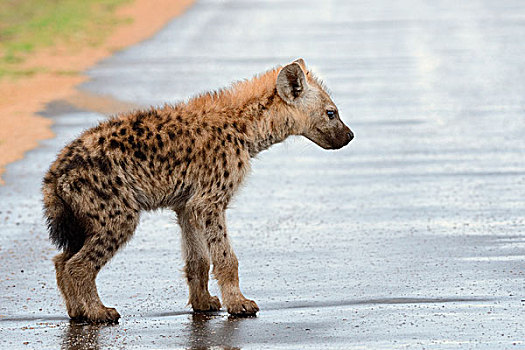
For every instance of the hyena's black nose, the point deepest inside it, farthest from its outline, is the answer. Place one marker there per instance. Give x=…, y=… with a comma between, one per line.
x=350, y=135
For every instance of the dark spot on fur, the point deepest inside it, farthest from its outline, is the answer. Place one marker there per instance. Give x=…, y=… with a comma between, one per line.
x=171, y=135
x=140, y=155
x=123, y=131
x=208, y=222
x=118, y=181
x=219, y=129
x=48, y=179
x=126, y=203
x=123, y=164
x=239, y=164
x=90, y=161
x=76, y=186
x=114, y=144
x=115, y=122
x=103, y=164
x=101, y=140
x=76, y=162
x=93, y=216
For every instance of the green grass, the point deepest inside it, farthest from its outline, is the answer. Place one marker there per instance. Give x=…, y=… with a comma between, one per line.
x=29, y=25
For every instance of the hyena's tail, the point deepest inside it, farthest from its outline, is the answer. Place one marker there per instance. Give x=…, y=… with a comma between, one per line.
x=65, y=230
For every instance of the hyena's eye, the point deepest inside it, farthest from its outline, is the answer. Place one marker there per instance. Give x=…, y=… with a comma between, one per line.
x=330, y=114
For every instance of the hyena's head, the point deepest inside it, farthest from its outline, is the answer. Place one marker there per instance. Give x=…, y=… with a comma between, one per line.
x=313, y=110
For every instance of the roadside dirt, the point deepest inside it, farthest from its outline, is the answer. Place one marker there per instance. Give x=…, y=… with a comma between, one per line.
x=21, y=128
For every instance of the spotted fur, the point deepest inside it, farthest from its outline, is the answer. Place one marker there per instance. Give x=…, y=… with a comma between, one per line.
x=190, y=157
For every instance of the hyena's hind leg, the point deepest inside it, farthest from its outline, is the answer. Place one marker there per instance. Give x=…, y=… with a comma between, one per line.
x=74, y=307
x=98, y=249
x=197, y=260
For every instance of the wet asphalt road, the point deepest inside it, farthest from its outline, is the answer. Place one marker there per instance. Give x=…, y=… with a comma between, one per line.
x=413, y=236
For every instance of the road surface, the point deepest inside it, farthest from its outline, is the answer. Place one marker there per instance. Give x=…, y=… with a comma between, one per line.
x=413, y=236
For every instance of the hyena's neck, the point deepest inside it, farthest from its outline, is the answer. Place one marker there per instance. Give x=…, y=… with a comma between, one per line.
x=258, y=112
x=270, y=124
x=269, y=130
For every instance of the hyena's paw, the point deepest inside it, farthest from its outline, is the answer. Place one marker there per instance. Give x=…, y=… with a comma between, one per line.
x=75, y=312
x=103, y=315
x=242, y=307
x=206, y=304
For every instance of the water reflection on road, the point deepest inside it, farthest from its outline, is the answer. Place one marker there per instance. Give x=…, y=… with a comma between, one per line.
x=202, y=332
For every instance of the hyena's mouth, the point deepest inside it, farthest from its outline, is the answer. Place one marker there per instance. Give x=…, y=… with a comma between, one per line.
x=338, y=141
x=330, y=142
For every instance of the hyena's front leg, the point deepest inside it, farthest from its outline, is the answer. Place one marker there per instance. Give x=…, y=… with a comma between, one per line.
x=225, y=267
x=197, y=261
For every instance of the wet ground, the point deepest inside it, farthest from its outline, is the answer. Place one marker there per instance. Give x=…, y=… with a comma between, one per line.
x=413, y=236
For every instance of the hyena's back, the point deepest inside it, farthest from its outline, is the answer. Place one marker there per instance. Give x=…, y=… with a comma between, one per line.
x=137, y=162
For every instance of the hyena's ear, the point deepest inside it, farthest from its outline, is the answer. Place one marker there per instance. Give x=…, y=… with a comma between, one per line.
x=291, y=82
x=301, y=62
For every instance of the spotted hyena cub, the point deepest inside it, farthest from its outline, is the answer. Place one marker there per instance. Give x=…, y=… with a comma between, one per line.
x=192, y=158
